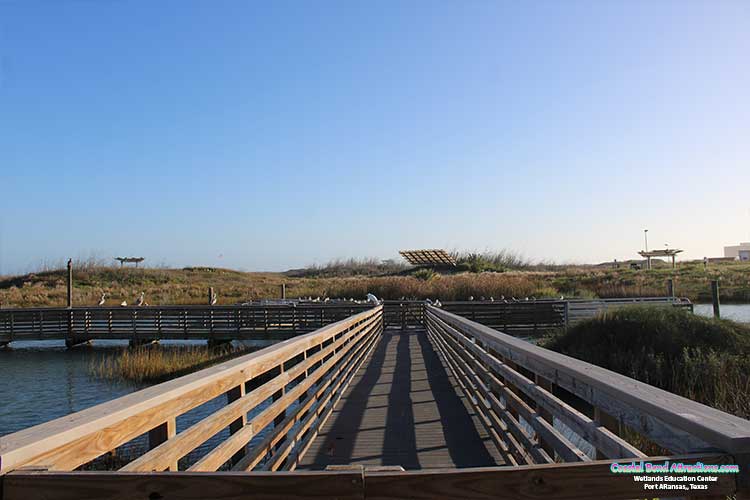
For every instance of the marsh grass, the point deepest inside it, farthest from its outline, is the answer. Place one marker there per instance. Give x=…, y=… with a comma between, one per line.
x=156, y=363
x=703, y=359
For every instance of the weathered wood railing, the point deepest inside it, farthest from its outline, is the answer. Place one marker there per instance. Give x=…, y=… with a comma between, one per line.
x=170, y=322
x=281, y=393
x=527, y=318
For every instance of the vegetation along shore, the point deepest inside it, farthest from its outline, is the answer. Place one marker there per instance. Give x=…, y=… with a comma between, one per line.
x=476, y=275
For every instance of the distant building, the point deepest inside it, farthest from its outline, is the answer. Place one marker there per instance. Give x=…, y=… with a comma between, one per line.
x=741, y=251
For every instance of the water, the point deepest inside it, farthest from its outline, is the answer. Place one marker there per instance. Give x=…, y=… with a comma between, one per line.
x=44, y=380
x=736, y=312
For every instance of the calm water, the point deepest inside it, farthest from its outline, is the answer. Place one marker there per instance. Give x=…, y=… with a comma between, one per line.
x=736, y=312
x=44, y=381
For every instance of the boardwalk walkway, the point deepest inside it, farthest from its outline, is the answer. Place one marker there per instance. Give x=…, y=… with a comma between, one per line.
x=403, y=408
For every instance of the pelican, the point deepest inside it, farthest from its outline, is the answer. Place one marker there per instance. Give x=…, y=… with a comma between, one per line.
x=140, y=300
x=372, y=298
x=214, y=298
x=102, y=300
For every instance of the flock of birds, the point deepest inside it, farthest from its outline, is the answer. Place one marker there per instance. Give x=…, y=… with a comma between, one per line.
x=141, y=300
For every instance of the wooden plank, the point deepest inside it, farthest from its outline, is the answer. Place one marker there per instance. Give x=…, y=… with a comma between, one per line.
x=569, y=481
x=341, y=485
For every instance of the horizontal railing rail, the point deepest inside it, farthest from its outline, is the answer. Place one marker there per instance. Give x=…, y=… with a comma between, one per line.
x=281, y=393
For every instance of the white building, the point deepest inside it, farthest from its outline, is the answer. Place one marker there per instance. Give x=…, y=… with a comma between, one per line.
x=741, y=251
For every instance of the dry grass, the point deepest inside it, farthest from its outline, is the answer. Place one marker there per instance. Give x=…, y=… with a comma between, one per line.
x=189, y=285
x=156, y=363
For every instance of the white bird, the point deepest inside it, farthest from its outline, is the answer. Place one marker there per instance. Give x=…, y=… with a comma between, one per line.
x=140, y=300
x=562, y=297
x=428, y=301
x=492, y=299
x=327, y=299
x=372, y=298
x=437, y=303
x=214, y=298
x=471, y=297
x=102, y=300
x=124, y=303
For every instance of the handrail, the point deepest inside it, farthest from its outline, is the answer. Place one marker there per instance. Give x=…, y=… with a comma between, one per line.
x=74, y=440
x=673, y=422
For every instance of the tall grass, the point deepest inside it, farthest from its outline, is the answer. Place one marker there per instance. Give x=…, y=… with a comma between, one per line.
x=156, y=363
x=350, y=267
x=700, y=358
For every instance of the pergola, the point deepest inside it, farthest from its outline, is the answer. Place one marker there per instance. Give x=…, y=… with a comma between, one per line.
x=129, y=260
x=667, y=252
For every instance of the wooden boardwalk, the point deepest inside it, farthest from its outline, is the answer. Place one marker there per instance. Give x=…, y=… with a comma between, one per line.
x=403, y=408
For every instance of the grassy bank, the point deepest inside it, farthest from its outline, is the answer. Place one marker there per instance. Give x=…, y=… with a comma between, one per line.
x=390, y=281
x=703, y=359
x=157, y=363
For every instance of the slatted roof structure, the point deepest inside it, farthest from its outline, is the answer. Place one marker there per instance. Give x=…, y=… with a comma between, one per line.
x=428, y=258
x=667, y=252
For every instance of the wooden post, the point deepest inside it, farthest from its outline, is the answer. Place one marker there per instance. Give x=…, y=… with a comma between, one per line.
x=70, y=282
x=210, y=294
x=715, y=297
x=670, y=287
x=233, y=395
x=283, y=291
x=162, y=433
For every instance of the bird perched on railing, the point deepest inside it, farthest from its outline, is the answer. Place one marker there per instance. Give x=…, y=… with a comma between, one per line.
x=471, y=297
x=492, y=299
x=437, y=303
x=214, y=298
x=124, y=303
x=372, y=298
x=102, y=300
x=141, y=300
x=429, y=302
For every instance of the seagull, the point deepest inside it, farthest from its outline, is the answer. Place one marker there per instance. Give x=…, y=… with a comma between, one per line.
x=140, y=300
x=502, y=297
x=471, y=297
x=102, y=300
x=124, y=303
x=492, y=299
x=428, y=301
x=214, y=298
x=372, y=298
x=437, y=303
x=327, y=299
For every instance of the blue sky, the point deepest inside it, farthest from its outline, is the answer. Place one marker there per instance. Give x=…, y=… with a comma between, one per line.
x=266, y=136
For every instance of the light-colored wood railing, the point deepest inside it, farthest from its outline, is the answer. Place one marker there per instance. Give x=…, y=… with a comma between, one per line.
x=524, y=392
x=310, y=370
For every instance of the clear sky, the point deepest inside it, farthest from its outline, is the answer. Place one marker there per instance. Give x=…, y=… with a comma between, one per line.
x=270, y=135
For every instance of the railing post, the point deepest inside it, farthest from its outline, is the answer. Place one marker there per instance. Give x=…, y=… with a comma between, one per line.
x=670, y=287
x=70, y=283
x=232, y=395
x=715, y=298
x=162, y=433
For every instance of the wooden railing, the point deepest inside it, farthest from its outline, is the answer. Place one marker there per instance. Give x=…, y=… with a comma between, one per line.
x=528, y=318
x=169, y=322
x=542, y=407
x=287, y=389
